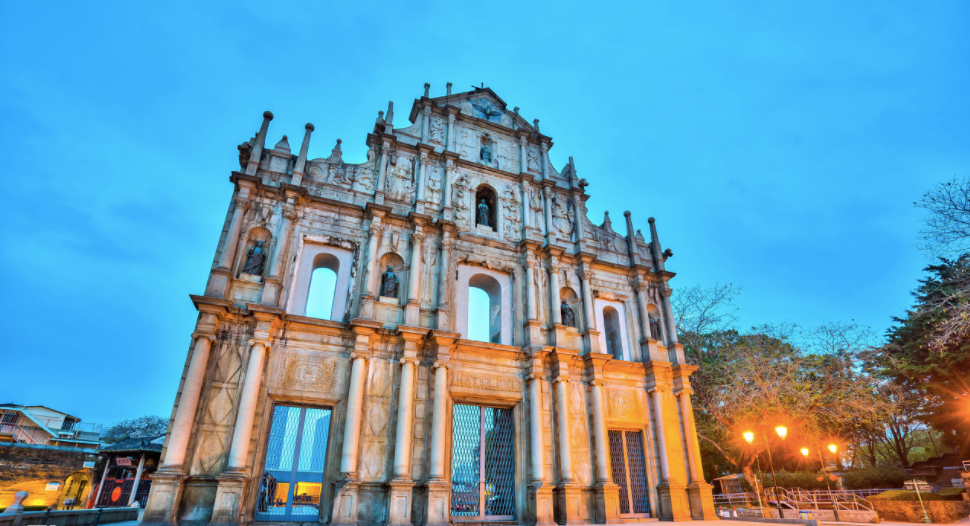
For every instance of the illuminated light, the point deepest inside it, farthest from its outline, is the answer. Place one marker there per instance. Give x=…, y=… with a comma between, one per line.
x=805, y=451
x=833, y=448
x=749, y=436
x=782, y=431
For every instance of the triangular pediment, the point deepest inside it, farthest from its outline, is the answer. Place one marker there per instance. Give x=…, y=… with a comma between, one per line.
x=482, y=103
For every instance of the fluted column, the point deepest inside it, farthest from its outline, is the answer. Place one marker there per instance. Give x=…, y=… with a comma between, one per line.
x=425, y=123
x=405, y=407
x=547, y=208
x=565, y=443
x=243, y=431
x=585, y=276
x=526, y=214
x=423, y=163
x=556, y=309
x=644, y=318
x=446, y=185
x=658, y=413
x=530, y=293
x=535, y=415
x=603, y=473
x=669, y=318
x=188, y=401
x=523, y=160
x=355, y=399
x=690, y=436
x=232, y=237
x=438, y=421
x=450, y=142
x=545, y=160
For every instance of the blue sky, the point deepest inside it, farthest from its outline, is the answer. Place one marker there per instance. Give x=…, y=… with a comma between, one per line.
x=780, y=145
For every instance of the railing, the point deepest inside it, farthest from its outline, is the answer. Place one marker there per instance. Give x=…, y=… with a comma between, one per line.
x=735, y=499
x=28, y=434
x=799, y=499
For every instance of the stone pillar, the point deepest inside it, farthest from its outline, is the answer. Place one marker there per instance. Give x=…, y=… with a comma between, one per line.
x=370, y=291
x=446, y=186
x=699, y=492
x=438, y=421
x=656, y=395
x=545, y=160
x=401, y=485
x=232, y=481
x=607, y=493
x=565, y=443
x=444, y=302
x=301, y=159
x=257, y=152
x=540, y=493
x=673, y=494
x=669, y=315
x=579, y=212
x=547, y=211
x=382, y=172
x=345, y=495
x=134, y=487
x=422, y=184
x=526, y=213
x=585, y=275
x=412, y=312
x=554, y=298
x=232, y=236
x=530, y=289
x=450, y=141
x=178, y=439
x=523, y=159
x=282, y=235
x=425, y=122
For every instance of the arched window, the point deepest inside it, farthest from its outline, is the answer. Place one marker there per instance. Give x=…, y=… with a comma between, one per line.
x=323, y=283
x=487, y=196
x=484, y=309
x=611, y=325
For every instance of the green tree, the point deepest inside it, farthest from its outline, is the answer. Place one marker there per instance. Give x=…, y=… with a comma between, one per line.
x=147, y=425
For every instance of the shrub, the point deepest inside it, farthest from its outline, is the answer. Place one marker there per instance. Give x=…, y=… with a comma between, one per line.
x=903, y=495
x=874, y=477
x=798, y=479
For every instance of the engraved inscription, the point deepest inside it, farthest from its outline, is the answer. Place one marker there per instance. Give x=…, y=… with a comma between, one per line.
x=489, y=383
x=307, y=373
x=622, y=403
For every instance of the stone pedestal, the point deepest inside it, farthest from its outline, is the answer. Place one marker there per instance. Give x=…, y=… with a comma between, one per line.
x=701, y=499
x=399, y=502
x=592, y=340
x=651, y=350
x=366, y=307
x=225, y=511
x=271, y=290
x=559, y=337
x=439, y=503
x=673, y=502
x=541, y=503
x=218, y=283
x=533, y=332
x=607, y=503
x=345, y=504
x=568, y=499
x=412, y=314
x=166, y=492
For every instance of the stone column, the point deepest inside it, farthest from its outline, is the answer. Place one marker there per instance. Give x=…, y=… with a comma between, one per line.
x=444, y=302
x=182, y=425
x=530, y=289
x=656, y=395
x=545, y=158
x=301, y=159
x=232, y=236
x=243, y=430
x=232, y=481
x=370, y=290
x=578, y=215
x=535, y=416
x=422, y=165
x=555, y=309
x=450, y=142
x=257, y=152
x=412, y=310
x=526, y=212
x=382, y=172
x=355, y=399
x=669, y=315
x=425, y=122
x=693, y=458
x=438, y=421
x=547, y=210
x=134, y=487
x=699, y=492
x=565, y=443
x=282, y=235
x=603, y=473
x=405, y=407
x=585, y=276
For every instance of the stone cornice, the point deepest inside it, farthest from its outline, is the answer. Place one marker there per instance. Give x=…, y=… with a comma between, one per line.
x=212, y=305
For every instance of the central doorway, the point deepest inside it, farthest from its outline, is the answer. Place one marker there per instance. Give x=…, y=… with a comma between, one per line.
x=629, y=472
x=482, y=464
x=296, y=455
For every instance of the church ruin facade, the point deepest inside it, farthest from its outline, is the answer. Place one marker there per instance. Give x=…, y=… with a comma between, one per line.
x=435, y=335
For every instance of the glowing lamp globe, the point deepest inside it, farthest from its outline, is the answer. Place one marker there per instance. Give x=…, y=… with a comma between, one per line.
x=804, y=451
x=782, y=431
x=833, y=448
x=749, y=436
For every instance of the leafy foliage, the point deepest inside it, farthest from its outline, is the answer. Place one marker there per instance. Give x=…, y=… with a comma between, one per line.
x=874, y=477
x=142, y=426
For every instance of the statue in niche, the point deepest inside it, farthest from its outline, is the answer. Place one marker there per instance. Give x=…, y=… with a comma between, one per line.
x=655, y=328
x=486, y=152
x=483, y=214
x=434, y=185
x=255, y=260
x=568, y=318
x=389, y=283
x=535, y=204
x=532, y=163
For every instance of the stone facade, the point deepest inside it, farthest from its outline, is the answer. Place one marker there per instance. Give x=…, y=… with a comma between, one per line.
x=393, y=363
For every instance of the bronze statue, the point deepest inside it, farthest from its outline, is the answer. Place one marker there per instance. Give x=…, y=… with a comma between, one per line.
x=568, y=318
x=486, y=153
x=389, y=283
x=655, y=328
x=254, y=260
x=483, y=213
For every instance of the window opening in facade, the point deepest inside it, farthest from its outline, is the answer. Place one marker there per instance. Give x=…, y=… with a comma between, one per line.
x=614, y=344
x=630, y=472
x=296, y=454
x=483, y=464
x=490, y=319
x=319, y=302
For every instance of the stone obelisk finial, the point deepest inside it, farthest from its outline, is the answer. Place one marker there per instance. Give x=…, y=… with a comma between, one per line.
x=260, y=143
x=301, y=159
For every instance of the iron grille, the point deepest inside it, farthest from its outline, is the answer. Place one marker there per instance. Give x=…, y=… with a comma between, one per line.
x=296, y=453
x=483, y=463
x=629, y=471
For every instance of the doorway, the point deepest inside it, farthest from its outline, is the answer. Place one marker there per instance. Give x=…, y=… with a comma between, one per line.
x=482, y=464
x=629, y=472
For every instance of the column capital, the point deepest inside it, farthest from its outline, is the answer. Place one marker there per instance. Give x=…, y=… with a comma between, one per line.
x=597, y=383
x=259, y=341
x=441, y=365
x=684, y=390
x=242, y=202
x=408, y=359
x=545, y=146
x=534, y=376
x=561, y=378
x=657, y=389
x=359, y=355
x=585, y=275
x=417, y=237
x=201, y=335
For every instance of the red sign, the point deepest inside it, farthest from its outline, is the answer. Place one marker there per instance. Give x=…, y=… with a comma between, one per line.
x=122, y=461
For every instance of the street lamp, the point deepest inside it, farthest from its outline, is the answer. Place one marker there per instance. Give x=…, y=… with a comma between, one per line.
x=782, y=432
x=749, y=437
x=835, y=506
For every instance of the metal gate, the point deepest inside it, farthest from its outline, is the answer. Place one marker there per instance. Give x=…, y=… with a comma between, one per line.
x=296, y=454
x=629, y=472
x=482, y=474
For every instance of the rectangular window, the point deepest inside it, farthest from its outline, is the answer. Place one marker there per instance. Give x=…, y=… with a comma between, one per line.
x=482, y=464
x=629, y=472
x=9, y=418
x=296, y=454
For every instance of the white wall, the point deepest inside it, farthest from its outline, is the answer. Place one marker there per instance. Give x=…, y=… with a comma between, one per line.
x=304, y=271
x=601, y=304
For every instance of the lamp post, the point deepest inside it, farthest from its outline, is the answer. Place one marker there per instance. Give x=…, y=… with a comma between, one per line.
x=835, y=505
x=782, y=432
x=749, y=437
